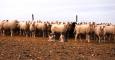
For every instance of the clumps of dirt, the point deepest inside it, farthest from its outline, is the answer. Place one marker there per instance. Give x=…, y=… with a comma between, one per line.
x=22, y=48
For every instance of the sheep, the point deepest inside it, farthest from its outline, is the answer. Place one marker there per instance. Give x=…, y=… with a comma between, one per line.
x=41, y=26
x=24, y=28
x=32, y=28
x=9, y=25
x=1, y=27
x=110, y=29
x=99, y=32
x=84, y=29
x=60, y=28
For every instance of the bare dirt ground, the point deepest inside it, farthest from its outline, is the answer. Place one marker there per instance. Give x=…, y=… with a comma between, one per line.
x=28, y=48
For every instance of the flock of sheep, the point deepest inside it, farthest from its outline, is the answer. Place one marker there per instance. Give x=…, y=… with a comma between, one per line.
x=91, y=30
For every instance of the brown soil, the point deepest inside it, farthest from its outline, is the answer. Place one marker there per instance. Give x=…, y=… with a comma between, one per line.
x=28, y=48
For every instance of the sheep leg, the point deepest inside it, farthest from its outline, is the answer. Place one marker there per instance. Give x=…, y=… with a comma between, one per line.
x=51, y=37
x=114, y=37
x=43, y=34
x=3, y=32
x=95, y=37
x=20, y=32
x=31, y=34
x=99, y=39
x=76, y=36
x=26, y=33
x=0, y=32
x=54, y=37
x=61, y=38
x=11, y=32
x=67, y=37
x=110, y=37
x=87, y=38
x=104, y=37
x=34, y=34
x=80, y=37
x=23, y=33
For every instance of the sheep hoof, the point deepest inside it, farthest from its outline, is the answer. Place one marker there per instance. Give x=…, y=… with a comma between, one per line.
x=51, y=40
x=61, y=41
x=88, y=41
